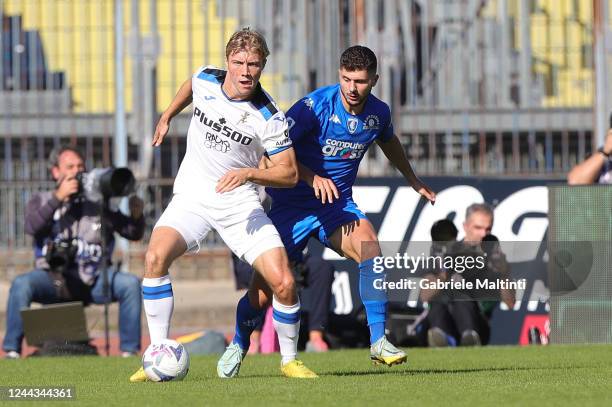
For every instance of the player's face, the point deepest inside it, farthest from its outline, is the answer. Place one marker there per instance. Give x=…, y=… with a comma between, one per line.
x=243, y=72
x=355, y=87
x=68, y=165
x=477, y=226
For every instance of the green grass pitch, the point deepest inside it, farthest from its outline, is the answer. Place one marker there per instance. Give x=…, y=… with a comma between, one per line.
x=490, y=376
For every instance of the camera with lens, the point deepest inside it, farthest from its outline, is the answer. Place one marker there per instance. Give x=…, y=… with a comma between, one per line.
x=104, y=183
x=60, y=255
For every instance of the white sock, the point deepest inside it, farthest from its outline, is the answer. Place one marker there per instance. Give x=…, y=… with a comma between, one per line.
x=286, y=320
x=158, y=305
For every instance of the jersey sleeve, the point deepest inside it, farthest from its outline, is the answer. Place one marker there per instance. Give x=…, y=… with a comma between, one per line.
x=275, y=137
x=301, y=119
x=386, y=131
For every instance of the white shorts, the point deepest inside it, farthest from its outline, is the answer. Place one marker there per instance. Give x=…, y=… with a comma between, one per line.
x=245, y=228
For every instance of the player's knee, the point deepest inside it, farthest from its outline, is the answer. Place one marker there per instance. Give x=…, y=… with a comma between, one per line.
x=284, y=289
x=368, y=247
x=154, y=263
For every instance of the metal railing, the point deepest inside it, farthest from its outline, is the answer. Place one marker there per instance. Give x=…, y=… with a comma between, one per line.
x=14, y=196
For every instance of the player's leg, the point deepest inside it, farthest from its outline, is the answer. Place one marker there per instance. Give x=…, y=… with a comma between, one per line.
x=249, y=314
x=181, y=227
x=273, y=266
x=250, y=310
x=357, y=240
x=257, y=241
x=165, y=245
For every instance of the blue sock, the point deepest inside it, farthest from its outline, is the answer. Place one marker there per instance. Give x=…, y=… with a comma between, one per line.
x=247, y=319
x=374, y=300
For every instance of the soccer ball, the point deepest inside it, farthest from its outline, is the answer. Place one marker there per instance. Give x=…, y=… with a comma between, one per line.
x=166, y=360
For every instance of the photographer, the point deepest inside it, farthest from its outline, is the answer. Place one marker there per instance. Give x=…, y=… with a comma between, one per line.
x=461, y=316
x=595, y=169
x=67, y=243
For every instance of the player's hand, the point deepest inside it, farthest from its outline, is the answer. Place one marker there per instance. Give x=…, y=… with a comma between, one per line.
x=425, y=191
x=232, y=180
x=136, y=207
x=66, y=187
x=160, y=131
x=325, y=189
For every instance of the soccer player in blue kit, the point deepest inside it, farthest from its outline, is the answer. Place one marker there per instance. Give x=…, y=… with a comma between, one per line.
x=331, y=129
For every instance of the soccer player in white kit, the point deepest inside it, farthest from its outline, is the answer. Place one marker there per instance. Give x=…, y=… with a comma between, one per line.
x=234, y=122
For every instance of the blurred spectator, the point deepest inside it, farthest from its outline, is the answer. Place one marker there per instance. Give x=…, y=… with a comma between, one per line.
x=595, y=169
x=314, y=276
x=67, y=247
x=461, y=317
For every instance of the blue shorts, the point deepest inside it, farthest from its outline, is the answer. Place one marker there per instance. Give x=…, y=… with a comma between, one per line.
x=297, y=225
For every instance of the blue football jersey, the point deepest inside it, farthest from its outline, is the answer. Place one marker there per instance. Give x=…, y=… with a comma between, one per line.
x=331, y=141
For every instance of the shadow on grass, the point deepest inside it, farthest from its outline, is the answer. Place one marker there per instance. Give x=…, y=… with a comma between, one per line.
x=414, y=372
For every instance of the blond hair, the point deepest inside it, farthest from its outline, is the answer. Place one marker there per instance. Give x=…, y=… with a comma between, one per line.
x=247, y=39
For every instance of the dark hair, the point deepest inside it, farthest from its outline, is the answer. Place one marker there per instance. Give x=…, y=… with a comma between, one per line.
x=357, y=58
x=444, y=231
x=58, y=151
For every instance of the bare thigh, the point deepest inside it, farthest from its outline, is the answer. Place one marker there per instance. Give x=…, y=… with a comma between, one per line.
x=348, y=240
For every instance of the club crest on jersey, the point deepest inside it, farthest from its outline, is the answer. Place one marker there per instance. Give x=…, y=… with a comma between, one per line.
x=243, y=118
x=351, y=124
x=371, y=123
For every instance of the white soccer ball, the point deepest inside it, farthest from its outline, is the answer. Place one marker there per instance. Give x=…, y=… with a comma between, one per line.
x=166, y=360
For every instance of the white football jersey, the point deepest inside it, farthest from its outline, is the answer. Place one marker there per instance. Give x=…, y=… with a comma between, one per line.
x=227, y=134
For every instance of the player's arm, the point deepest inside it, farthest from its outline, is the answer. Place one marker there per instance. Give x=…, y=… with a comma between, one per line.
x=394, y=151
x=588, y=171
x=324, y=188
x=280, y=171
x=183, y=98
